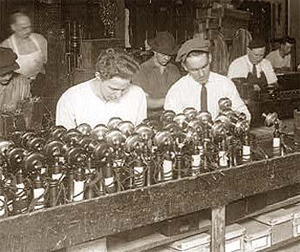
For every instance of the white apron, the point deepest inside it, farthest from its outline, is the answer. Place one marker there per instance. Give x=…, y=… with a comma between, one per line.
x=30, y=64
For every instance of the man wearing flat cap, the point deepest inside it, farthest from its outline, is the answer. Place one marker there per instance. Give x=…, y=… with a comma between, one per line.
x=201, y=88
x=14, y=87
x=254, y=67
x=158, y=74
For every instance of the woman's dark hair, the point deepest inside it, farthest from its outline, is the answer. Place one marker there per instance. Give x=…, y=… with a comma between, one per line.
x=115, y=62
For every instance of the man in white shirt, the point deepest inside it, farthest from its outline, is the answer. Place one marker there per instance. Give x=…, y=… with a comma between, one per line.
x=109, y=94
x=281, y=58
x=201, y=88
x=254, y=67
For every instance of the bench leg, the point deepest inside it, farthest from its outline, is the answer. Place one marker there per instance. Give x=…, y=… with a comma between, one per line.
x=218, y=229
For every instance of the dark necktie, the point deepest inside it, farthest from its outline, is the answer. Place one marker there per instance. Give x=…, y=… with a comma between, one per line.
x=254, y=72
x=203, y=98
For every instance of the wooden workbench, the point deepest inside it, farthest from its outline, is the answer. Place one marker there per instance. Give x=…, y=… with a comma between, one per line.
x=76, y=223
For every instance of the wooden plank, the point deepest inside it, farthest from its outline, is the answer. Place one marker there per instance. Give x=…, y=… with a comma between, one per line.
x=242, y=206
x=98, y=245
x=149, y=242
x=75, y=223
x=261, y=203
x=141, y=244
x=119, y=243
x=218, y=229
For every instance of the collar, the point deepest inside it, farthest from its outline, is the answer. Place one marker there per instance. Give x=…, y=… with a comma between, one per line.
x=248, y=61
x=95, y=88
x=258, y=66
x=191, y=79
x=152, y=64
x=15, y=38
x=278, y=52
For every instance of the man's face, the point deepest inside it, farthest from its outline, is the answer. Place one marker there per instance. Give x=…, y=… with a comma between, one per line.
x=198, y=67
x=22, y=27
x=162, y=59
x=5, y=78
x=286, y=48
x=114, y=88
x=256, y=55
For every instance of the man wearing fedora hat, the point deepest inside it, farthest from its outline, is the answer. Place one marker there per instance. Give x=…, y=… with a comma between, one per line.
x=14, y=87
x=201, y=88
x=158, y=74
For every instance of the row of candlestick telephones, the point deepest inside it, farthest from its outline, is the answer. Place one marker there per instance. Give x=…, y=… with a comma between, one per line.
x=57, y=166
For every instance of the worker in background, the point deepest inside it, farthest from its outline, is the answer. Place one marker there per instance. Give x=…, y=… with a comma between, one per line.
x=14, y=87
x=254, y=67
x=281, y=58
x=31, y=49
x=201, y=88
x=109, y=94
x=158, y=74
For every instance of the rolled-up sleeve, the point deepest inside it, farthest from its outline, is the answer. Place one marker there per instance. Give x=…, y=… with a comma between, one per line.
x=269, y=71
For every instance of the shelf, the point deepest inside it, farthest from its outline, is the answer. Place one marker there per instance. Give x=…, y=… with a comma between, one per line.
x=287, y=202
x=149, y=242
